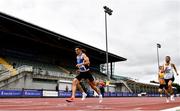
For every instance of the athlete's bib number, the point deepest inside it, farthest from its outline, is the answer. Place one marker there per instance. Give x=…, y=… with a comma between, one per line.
x=168, y=76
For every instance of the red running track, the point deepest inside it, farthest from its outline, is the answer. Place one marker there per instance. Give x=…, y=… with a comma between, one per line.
x=89, y=104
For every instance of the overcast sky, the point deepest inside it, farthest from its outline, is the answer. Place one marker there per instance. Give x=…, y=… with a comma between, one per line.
x=133, y=29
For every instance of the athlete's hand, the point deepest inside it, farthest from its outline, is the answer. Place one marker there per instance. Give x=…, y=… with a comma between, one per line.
x=77, y=71
x=78, y=65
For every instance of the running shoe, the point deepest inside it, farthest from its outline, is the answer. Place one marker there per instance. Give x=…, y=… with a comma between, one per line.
x=70, y=99
x=167, y=100
x=83, y=96
x=172, y=98
x=100, y=98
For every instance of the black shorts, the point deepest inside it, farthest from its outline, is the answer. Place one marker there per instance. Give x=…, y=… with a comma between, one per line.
x=85, y=75
x=162, y=86
x=167, y=80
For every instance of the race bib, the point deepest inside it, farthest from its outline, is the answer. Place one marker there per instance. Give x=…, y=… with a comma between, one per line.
x=168, y=76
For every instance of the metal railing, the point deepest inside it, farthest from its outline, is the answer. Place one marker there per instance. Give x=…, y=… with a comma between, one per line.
x=7, y=74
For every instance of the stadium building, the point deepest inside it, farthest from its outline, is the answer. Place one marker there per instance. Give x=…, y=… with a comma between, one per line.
x=32, y=57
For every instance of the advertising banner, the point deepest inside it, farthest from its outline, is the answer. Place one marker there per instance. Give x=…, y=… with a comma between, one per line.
x=10, y=93
x=32, y=93
x=50, y=94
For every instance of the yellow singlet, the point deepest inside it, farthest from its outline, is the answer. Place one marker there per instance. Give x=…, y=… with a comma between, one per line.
x=161, y=75
x=161, y=78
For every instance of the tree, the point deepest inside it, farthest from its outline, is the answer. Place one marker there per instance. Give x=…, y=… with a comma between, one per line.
x=177, y=87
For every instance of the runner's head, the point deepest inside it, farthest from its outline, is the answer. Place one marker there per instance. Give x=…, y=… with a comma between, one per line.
x=78, y=50
x=160, y=67
x=168, y=59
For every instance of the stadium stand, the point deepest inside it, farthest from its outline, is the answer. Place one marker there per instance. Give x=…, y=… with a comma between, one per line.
x=8, y=66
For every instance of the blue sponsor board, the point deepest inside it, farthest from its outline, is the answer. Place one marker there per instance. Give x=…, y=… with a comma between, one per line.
x=119, y=94
x=106, y=94
x=90, y=93
x=65, y=94
x=68, y=94
x=125, y=94
x=113, y=94
x=130, y=94
x=38, y=93
x=135, y=94
x=156, y=95
x=149, y=94
x=153, y=95
x=32, y=93
x=10, y=93
x=78, y=94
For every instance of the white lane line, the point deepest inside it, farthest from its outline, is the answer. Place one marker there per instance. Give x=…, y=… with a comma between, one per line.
x=172, y=109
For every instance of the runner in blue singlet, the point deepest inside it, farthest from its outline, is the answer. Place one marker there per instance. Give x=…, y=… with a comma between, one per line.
x=83, y=64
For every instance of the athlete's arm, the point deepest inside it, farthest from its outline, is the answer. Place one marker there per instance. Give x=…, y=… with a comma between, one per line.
x=86, y=60
x=175, y=69
x=164, y=69
x=158, y=77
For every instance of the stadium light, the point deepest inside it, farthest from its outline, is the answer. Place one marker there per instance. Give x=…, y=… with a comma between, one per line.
x=158, y=46
x=107, y=10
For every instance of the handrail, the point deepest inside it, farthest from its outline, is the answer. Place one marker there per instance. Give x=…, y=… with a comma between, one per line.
x=42, y=72
x=126, y=86
x=4, y=71
x=5, y=75
x=20, y=69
